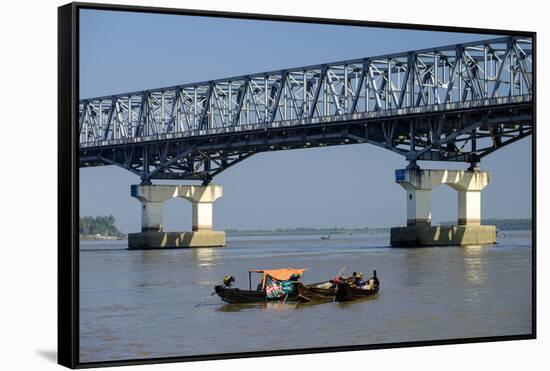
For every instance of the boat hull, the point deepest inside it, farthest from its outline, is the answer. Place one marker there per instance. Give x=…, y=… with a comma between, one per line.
x=317, y=294
x=235, y=295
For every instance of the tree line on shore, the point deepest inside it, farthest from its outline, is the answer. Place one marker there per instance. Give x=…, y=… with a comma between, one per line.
x=103, y=225
x=524, y=224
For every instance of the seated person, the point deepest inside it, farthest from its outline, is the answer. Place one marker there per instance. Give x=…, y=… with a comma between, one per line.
x=358, y=280
x=373, y=282
x=295, y=277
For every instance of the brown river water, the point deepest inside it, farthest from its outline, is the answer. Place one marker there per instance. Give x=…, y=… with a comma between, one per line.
x=143, y=304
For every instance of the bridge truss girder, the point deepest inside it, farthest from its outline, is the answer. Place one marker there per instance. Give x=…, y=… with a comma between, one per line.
x=463, y=135
x=381, y=86
x=453, y=103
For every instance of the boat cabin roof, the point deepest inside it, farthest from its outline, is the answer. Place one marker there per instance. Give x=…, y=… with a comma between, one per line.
x=281, y=274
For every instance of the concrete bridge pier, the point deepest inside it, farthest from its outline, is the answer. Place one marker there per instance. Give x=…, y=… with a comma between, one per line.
x=418, y=185
x=152, y=235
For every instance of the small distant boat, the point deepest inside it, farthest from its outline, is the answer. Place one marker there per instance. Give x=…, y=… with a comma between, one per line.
x=330, y=291
x=276, y=285
x=327, y=237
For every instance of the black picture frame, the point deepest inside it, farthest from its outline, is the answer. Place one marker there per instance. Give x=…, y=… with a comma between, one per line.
x=68, y=182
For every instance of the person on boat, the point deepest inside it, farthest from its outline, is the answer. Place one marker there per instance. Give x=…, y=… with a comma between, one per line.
x=358, y=280
x=294, y=280
x=336, y=281
x=373, y=282
x=290, y=286
x=295, y=277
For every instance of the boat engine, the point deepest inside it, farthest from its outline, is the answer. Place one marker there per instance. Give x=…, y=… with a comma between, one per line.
x=228, y=281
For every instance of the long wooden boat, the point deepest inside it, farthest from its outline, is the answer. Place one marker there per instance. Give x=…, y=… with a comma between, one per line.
x=344, y=292
x=328, y=291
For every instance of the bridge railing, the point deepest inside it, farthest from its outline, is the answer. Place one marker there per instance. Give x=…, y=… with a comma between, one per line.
x=493, y=71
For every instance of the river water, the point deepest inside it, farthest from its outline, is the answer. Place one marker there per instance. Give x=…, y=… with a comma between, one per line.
x=143, y=304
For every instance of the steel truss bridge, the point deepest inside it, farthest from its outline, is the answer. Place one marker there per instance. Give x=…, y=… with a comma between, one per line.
x=453, y=103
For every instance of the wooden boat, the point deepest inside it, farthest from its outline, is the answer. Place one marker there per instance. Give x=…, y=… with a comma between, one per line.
x=328, y=291
x=230, y=294
x=317, y=292
x=350, y=293
x=235, y=295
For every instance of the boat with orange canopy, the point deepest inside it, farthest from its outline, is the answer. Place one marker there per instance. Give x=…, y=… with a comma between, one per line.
x=275, y=284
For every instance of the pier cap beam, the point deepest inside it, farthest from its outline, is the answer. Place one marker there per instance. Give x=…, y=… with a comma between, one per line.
x=460, y=180
x=164, y=192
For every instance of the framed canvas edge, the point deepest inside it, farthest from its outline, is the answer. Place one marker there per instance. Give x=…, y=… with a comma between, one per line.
x=68, y=183
x=67, y=262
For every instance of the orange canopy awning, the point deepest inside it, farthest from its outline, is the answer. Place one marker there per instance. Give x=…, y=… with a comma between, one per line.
x=281, y=274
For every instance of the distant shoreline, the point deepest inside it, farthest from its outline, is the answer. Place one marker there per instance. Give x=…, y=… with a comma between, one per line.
x=304, y=231
x=501, y=224
x=102, y=238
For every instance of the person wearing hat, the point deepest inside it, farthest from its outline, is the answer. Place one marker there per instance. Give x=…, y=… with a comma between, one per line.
x=358, y=279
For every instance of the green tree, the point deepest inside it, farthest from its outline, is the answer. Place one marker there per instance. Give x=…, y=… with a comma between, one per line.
x=102, y=225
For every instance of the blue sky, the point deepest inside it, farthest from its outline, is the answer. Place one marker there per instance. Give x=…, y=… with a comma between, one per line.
x=338, y=186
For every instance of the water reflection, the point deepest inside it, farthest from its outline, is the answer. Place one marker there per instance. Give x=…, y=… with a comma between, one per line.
x=414, y=262
x=270, y=305
x=205, y=257
x=475, y=262
x=475, y=272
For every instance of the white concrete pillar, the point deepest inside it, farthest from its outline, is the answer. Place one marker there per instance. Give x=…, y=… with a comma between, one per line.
x=152, y=198
x=419, y=196
x=202, y=198
x=469, y=207
x=202, y=216
x=419, y=206
x=151, y=216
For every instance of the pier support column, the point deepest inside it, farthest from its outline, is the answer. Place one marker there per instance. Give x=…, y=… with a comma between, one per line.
x=152, y=235
x=152, y=198
x=202, y=199
x=468, y=230
x=419, y=206
x=469, y=207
